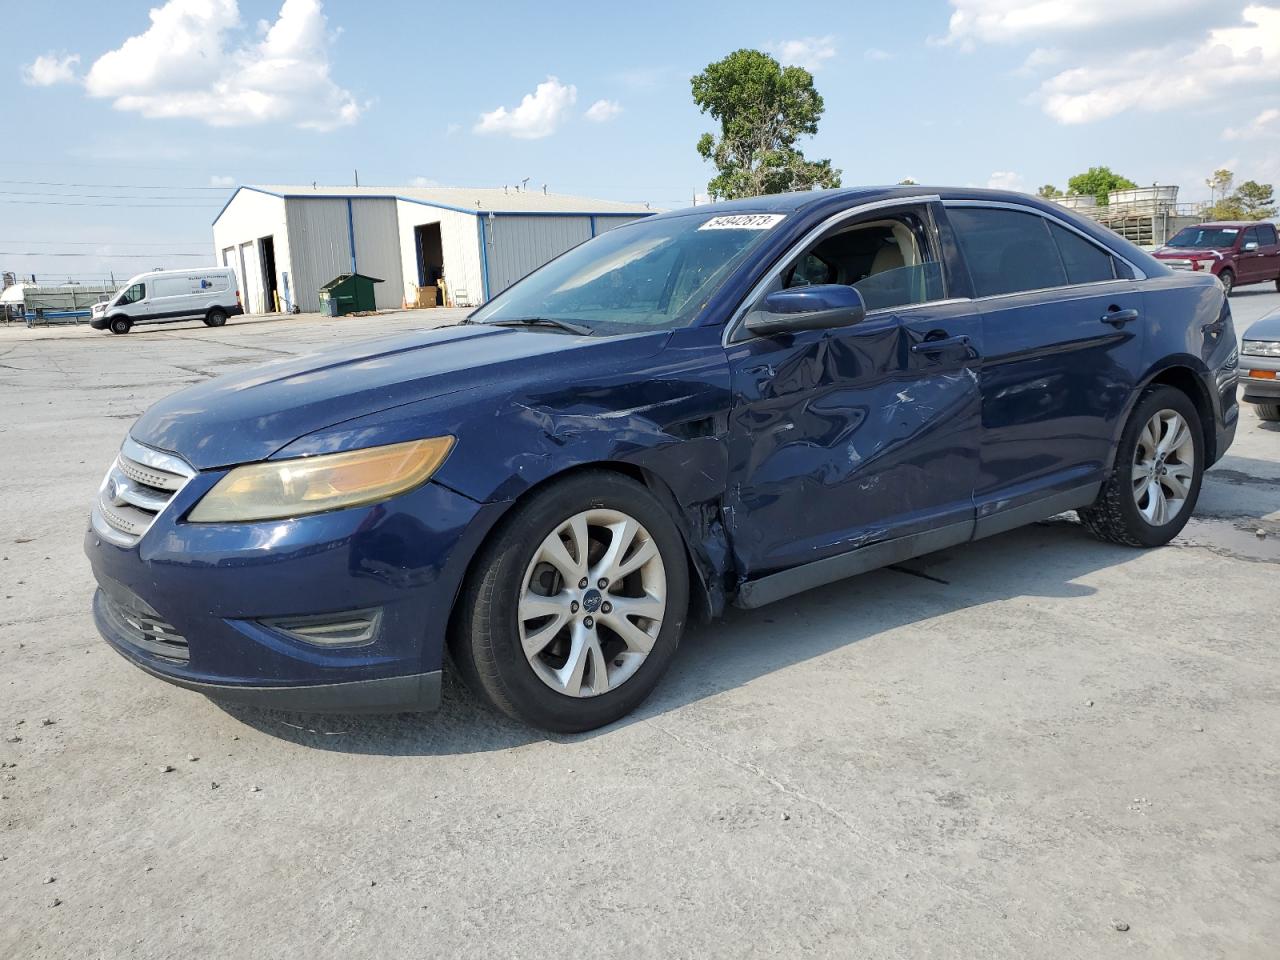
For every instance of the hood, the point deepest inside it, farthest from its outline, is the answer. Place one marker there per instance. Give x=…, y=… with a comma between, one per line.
x=1268, y=328
x=249, y=415
x=1189, y=252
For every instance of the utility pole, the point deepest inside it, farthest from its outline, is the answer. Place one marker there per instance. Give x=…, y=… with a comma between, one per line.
x=357, y=173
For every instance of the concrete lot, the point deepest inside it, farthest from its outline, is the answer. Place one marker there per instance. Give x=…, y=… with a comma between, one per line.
x=1009, y=749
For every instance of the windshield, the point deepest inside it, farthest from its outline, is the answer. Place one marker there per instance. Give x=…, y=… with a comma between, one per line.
x=647, y=275
x=1204, y=238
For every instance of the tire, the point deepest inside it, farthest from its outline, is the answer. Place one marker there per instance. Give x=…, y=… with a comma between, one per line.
x=215, y=318
x=510, y=578
x=1268, y=411
x=1116, y=516
x=121, y=325
x=1228, y=279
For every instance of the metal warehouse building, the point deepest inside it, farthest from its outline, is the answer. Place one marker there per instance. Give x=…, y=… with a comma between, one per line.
x=286, y=242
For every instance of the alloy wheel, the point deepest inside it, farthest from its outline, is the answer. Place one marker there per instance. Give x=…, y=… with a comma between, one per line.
x=592, y=602
x=1163, y=467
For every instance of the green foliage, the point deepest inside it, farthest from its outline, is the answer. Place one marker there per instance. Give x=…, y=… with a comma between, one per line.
x=1219, y=184
x=1098, y=182
x=1256, y=200
x=1048, y=192
x=908, y=182
x=763, y=109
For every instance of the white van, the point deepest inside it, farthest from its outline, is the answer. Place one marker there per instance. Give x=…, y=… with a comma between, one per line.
x=165, y=296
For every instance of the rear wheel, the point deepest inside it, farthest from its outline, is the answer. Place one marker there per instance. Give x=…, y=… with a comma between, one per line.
x=215, y=318
x=1156, y=479
x=1268, y=411
x=1228, y=279
x=576, y=605
x=121, y=325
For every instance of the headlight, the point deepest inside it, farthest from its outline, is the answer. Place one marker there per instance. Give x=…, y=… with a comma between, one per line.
x=1261, y=348
x=291, y=488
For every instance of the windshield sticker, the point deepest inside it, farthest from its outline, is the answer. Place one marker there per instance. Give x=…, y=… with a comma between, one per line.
x=1230, y=230
x=744, y=221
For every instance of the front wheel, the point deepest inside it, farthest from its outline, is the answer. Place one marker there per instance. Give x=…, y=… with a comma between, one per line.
x=575, y=606
x=121, y=325
x=1268, y=411
x=1228, y=279
x=1154, y=484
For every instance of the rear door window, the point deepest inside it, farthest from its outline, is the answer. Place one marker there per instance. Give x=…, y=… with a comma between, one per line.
x=1006, y=251
x=1085, y=262
x=1267, y=235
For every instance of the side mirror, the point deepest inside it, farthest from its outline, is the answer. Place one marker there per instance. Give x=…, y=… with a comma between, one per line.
x=1251, y=246
x=819, y=307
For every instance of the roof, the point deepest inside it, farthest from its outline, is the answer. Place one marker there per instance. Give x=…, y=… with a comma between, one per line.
x=464, y=199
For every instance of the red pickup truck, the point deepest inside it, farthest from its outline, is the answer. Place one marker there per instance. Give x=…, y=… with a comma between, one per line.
x=1236, y=253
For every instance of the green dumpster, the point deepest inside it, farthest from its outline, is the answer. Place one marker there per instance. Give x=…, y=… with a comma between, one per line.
x=348, y=293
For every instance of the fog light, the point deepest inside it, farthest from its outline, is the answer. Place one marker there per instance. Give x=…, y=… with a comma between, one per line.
x=351, y=628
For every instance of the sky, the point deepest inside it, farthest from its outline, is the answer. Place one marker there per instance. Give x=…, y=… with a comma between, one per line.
x=130, y=125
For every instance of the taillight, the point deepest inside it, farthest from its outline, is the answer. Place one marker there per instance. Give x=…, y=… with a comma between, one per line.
x=237, y=296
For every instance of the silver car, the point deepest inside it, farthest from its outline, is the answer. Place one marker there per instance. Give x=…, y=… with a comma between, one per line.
x=1260, y=366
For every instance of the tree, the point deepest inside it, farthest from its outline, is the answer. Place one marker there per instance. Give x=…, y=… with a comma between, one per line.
x=1048, y=192
x=908, y=182
x=1256, y=200
x=763, y=109
x=1098, y=182
x=1219, y=185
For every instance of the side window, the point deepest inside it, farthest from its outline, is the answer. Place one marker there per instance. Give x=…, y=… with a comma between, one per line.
x=1006, y=251
x=1085, y=262
x=1267, y=235
x=134, y=293
x=888, y=261
x=1250, y=236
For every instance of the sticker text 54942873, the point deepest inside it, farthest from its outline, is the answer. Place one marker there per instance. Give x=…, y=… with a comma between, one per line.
x=744, y=221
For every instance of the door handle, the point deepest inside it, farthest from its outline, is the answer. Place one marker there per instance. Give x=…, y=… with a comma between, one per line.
x=1118, y=318
x=937, y=346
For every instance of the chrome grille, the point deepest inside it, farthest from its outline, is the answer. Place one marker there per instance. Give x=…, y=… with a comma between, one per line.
x=142, y=627
x=138, y=486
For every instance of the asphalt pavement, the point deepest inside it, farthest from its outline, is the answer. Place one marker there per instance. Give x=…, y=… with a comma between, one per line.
x=1033, y=746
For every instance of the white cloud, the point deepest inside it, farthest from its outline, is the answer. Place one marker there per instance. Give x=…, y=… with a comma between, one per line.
x=423, y=182
x=1245, y=57
x=189, y=64
x=219, y=181
x=603, y=111
x=1006, y=180
x=808, y=52
x=1265, y=124
x=876, y=54
x=1012, y=21
x=51, y=68
x=539, y=114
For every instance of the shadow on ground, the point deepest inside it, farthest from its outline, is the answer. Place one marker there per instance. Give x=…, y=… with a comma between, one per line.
x=1043, y=560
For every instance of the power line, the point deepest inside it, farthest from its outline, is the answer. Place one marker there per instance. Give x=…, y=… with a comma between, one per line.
x=124, y=243
x=109, y=186
x=102, y=256
x=98, y=196
x=136, y=206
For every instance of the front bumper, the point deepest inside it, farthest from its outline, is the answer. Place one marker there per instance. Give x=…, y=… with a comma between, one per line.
x=208, y=598
x=1260, y=389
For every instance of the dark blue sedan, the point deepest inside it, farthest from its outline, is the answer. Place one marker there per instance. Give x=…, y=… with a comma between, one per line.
x=725, y=404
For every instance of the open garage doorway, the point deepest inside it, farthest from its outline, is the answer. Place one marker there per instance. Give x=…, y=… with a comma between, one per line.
x=430, y=254
x=267, y=256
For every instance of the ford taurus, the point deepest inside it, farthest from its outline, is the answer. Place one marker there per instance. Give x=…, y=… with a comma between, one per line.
x=723, y=404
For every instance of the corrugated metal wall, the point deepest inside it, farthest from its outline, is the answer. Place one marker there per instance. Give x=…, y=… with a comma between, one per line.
x=605, y=224
x=518, y=245
x=319, y=244
x=248, y=218
x=378, y=248
x=460, y=244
